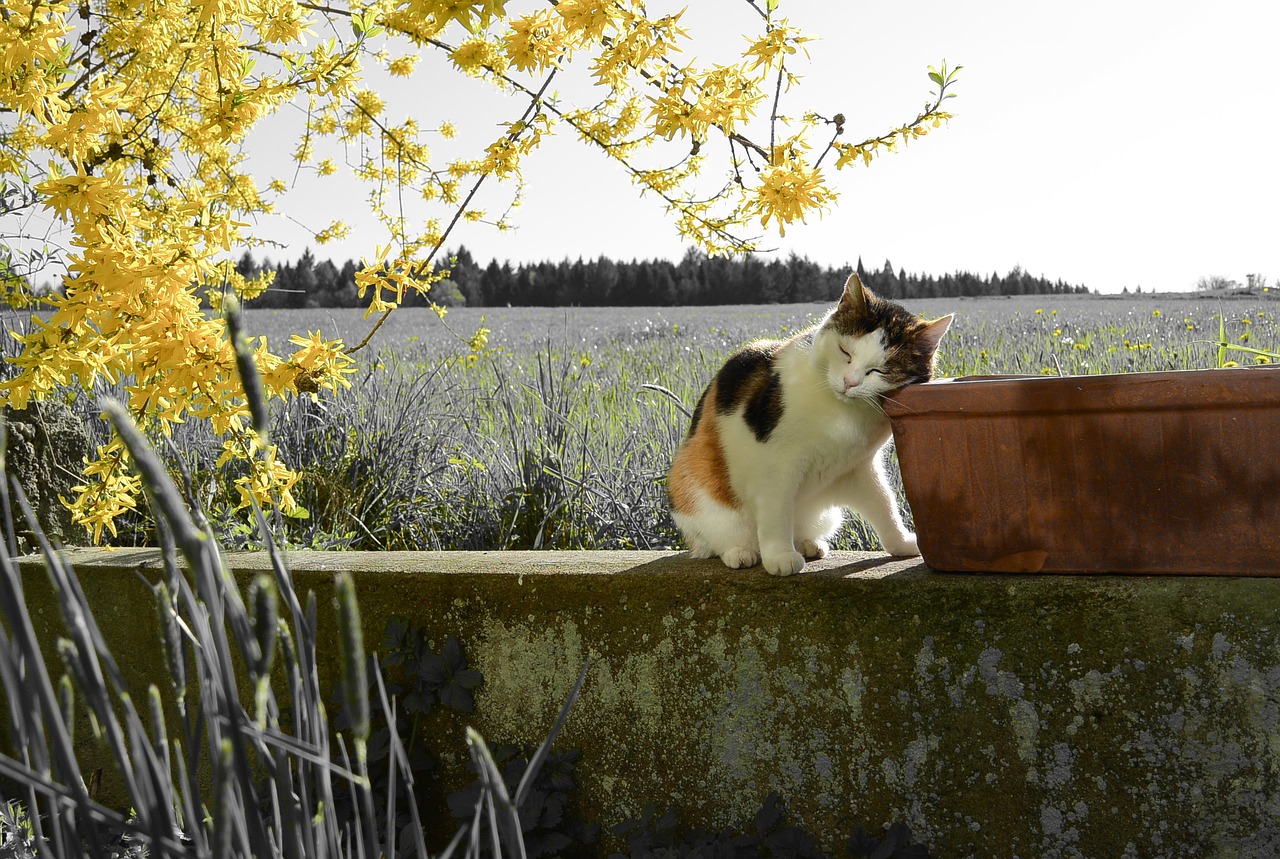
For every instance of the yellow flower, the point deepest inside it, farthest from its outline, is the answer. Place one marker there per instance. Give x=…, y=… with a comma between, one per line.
x=774, y=46
x=1230, y=364
x=1261, y=359
x=403, y=66
x=787, y=193
x=332, y=233
x=585, y=19
x=534, y=42
x=474, y=55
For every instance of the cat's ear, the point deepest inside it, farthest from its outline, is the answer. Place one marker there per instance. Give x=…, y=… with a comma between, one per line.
x=854, y=299
x=930, y=333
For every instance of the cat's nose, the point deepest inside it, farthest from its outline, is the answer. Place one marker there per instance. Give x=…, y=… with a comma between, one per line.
x=853, y=379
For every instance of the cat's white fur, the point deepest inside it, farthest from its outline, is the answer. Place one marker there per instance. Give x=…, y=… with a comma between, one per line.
x=823, y=455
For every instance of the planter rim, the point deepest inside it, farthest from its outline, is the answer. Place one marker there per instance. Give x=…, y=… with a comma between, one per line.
x=1230, y=387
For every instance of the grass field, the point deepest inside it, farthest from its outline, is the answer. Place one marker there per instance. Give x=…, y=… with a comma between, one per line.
x=559, y=435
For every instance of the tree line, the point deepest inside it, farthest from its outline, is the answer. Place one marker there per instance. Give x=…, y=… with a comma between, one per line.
x=695, y=280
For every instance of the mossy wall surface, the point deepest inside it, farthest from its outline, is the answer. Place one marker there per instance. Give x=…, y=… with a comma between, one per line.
x=999, y=716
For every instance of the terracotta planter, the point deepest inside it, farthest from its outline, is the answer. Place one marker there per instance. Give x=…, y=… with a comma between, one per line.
x=1175, y=472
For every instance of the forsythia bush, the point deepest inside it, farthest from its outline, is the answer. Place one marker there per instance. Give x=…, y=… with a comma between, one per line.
x=126, y=123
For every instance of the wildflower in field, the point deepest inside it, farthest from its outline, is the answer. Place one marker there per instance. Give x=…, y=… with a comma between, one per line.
x=1244, y=337
x=1039, y=311
x=1230, y=363
x=1156, y=312
x=1261, y=359
x=480, y=339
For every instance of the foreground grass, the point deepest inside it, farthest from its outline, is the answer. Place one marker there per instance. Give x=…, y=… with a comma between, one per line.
x=559, y=435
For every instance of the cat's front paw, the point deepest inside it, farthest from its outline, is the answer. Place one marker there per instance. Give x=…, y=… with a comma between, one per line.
x=738, y=558
x=901, y=545
x=813, y=550
x=786, y=564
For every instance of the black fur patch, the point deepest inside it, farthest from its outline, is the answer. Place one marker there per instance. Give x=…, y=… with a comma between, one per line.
x=748, y=377
x=764, y=408
x=697, y=412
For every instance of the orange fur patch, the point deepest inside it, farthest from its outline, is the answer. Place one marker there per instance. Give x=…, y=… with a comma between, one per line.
x=700, y=464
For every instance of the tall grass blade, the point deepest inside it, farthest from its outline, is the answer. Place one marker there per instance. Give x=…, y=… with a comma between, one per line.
x=247, y=368
x=355, y=681
x=501, y=812
x=42, y=706
x=401, y=758
x=540, y=756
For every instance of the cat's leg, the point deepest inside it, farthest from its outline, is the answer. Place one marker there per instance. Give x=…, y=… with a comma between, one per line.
x=775, y=526
x=740, y=557
x=867, y=492
x=716, y=530
x=816, y=524
x=699, y=550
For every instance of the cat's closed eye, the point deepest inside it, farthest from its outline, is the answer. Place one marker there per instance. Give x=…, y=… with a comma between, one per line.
x=845, y=353
x=874, y=370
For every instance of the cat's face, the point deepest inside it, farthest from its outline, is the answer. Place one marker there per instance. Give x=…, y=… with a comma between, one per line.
x=869, y=346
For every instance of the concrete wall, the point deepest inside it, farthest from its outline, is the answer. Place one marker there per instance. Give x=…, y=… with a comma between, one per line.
x=999, y=716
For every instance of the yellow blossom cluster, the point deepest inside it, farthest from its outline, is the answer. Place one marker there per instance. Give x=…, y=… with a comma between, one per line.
x=130, y=122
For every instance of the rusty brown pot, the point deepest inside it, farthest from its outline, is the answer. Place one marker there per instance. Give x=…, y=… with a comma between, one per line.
x=1174, y=472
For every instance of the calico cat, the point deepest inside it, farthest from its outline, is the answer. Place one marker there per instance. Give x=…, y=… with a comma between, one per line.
x=789, y=432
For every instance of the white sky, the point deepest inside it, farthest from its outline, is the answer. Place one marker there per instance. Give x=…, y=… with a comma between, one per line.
x=1106, y=142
